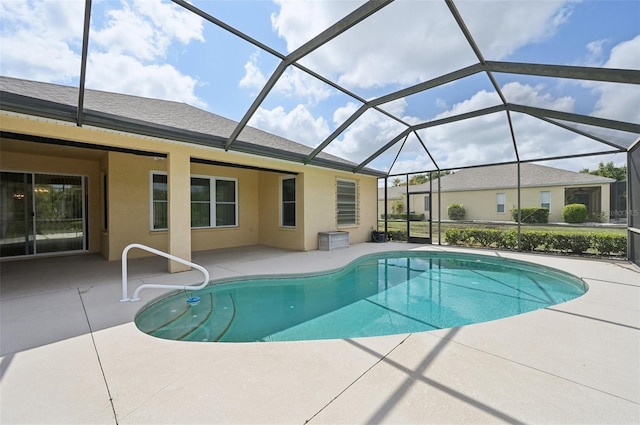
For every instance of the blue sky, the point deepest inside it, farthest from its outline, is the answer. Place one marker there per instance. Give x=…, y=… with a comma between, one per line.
x=155, y=48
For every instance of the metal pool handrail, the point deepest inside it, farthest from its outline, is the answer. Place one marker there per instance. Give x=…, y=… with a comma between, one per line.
x=136, y=296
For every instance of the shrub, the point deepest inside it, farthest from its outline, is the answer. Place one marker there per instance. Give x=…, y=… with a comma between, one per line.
x=456, y=212
x=508, y=240
x=398, y=235
x=608, y=243
x=534, y=240
x=531, y=215
x=396, y=206
x=453, y=236
x=574, y=213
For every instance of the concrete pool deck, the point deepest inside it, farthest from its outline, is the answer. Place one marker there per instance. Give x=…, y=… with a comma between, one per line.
x=71, y=354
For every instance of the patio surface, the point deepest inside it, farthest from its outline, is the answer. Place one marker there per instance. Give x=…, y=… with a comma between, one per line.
x=71, y=354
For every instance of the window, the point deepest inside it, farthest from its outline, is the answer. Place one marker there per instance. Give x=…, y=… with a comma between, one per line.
x=159, y=201
x=213, y=202
x=200, y=202
x=288, y=196
x=347, y=202
x=226, y=211
x=500, y=201
x=545, y=199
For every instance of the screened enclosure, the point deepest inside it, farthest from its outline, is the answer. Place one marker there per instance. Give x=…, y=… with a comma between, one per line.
x=388, y=87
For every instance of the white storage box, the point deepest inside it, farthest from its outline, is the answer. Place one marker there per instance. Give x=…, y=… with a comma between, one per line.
x=328, y=241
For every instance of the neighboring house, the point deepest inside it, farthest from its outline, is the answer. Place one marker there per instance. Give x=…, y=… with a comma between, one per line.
x=490, y=193
x=157, y=173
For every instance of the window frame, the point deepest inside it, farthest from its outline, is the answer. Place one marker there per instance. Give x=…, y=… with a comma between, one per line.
x=502, y=195
x=213, y=202
x=283, y=201
x=548, y=203
x=356, y=203
x=152, y=201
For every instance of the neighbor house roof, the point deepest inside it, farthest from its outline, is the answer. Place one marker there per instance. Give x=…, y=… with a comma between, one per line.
x=502, y=177
x=153, y=117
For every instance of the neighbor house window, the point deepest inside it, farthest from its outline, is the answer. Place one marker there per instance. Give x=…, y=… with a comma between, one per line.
x=159, y=201
x=500, y=202
x=288, y=194
x=545, y=199
x=213, y=202
x=347, y=202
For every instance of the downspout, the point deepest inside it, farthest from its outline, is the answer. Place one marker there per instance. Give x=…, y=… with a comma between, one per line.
x=519, y=211
x=439, y=209
x=386, y=207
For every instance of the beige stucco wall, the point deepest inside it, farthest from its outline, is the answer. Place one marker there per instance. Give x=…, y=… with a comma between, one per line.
x=248, y=229
x=128, y=186
x=482, y=204
x=129, y=207
x=271, y=231
x=320, y=206
x=20, y=162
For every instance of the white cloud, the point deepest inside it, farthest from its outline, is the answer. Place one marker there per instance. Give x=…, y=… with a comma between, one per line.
x=145, y=29
x=413, y=40
x=42, y=40
x=595, y=51
x=253, y=78
x=342, y=113
x=127, y=32
x=295, y=83
x=525, y=94
x=484, y=139
x=161, y=81
x=298, y=124
x=365, y=136
x=620, y=101
x=293, y=24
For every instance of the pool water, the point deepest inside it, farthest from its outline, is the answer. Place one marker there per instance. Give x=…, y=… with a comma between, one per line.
x=382, y=294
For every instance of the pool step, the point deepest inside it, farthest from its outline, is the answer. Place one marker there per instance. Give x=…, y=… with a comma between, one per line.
x=175, y=319
x=217, y=323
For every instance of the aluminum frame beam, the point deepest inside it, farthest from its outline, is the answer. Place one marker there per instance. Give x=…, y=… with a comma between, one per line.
x=577, y=118
x=83, y=61
x=610, y=75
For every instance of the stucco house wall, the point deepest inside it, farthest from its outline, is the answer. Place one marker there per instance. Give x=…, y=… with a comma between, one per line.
x=119, y=189
x=477, y=191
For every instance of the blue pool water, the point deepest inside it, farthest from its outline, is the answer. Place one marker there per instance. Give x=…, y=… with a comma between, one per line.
x=390, y=293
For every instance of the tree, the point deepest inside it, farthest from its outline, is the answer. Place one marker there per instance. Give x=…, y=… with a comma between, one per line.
x=396, y=181
x=423, y=178
x=608, y=170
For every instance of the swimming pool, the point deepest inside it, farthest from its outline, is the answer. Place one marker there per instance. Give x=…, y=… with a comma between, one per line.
x=381, y=294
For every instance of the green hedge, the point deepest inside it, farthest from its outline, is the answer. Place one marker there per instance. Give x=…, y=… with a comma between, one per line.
x=575, y=213
x=456, y=212
x=531, y=215
x=604, y=244
x=403, y=216
x=398, y=235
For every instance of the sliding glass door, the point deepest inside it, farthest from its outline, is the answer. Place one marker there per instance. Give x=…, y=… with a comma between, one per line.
x=41, y=213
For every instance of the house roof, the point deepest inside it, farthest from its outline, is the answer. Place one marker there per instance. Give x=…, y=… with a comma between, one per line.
x=153, y=117
x=502, y=177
